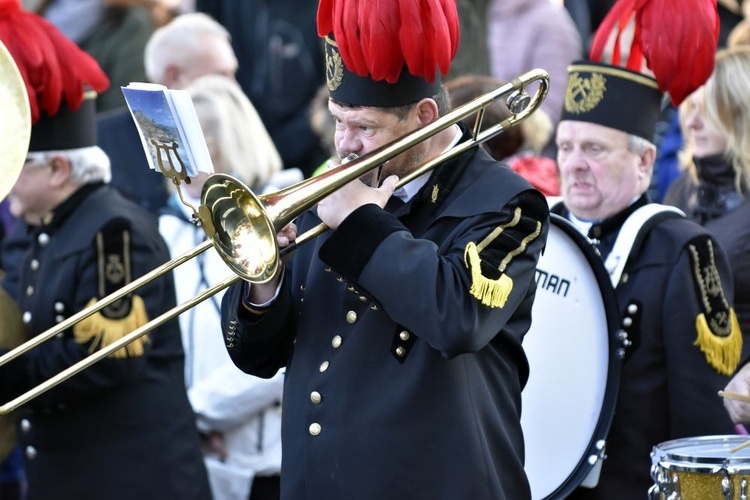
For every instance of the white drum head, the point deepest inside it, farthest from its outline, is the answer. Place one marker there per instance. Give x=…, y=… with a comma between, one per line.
x=568, y=400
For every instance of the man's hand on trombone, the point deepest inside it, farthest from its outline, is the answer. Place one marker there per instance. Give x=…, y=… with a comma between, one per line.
x=336, y=207
x=264, y=293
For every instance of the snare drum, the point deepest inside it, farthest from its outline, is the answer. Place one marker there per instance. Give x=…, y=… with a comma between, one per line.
x=700, y=468
x=574, y=358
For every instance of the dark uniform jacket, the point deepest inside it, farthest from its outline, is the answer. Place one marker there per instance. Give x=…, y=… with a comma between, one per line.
x=668, y=389
x=400, y=382
x=122, y=429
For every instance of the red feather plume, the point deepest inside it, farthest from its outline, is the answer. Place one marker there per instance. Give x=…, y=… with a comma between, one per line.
x=677, y=38
x=52, y=66
x=377, y=37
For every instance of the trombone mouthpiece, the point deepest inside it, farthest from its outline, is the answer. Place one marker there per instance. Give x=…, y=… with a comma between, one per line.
x=349, y=157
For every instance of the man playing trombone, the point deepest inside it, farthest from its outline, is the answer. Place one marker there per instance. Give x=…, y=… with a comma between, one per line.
x=401, y=327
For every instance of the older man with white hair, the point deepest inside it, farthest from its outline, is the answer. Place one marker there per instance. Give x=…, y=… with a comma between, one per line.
x=124, y=428
x=190, y=46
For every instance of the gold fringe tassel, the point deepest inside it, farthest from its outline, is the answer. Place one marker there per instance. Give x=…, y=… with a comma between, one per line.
x=723, y=353
x=493, y=293
x=106, y=331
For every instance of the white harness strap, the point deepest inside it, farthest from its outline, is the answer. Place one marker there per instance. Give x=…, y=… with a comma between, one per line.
x=636, y=225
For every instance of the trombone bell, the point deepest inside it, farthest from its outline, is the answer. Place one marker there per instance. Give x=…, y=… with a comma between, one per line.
x=242, y=232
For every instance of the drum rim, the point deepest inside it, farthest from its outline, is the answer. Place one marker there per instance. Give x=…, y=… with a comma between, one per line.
x=682, y=462
x=612, y=386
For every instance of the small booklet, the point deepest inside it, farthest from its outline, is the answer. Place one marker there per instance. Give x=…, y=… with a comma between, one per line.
x=170, y=132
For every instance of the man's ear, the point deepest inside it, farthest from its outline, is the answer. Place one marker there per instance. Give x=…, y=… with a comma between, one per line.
x=427, y=111
x=647, y=159
x=61, y=171
x=172, y=76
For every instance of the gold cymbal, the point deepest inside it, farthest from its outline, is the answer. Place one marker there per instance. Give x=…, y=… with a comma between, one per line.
x=15, y=122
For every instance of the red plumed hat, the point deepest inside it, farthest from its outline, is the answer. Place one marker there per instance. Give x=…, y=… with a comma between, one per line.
x=54, y=69
x=672, y=50
x=387, y=52
x=676, y=38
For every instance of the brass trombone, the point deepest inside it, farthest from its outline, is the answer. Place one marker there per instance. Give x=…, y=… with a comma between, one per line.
x=243, y=227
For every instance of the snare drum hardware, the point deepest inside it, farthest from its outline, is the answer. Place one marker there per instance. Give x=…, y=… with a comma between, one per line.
x=700, y=468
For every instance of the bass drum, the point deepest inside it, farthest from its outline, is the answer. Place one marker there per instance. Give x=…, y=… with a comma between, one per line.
x=575, y=358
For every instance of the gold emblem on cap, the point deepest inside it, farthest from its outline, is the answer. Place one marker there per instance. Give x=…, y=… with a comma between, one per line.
x=584, y=94
x=334, y=66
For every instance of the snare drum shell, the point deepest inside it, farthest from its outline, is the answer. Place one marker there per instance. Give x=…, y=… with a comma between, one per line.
x=700, y=464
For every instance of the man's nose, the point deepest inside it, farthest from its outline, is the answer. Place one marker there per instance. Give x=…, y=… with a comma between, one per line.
x=572, y=160
x=349, y=143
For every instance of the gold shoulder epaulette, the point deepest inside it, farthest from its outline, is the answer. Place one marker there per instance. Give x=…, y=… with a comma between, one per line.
x=495, y=292
x=718, y=331
x=123, y=316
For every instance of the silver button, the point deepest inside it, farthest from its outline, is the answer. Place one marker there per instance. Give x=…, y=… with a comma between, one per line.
x=323, y=366
x=626, y=322
x=25, y=425
x=29, y=291
x=374, y=307
x=315, y=397
x=26, y=317
x=362, y=298
x=59, y=318
x=404, y=335
x=400, y=351
x=43, y=239
x=30, y=452
x=315, y=429
x=59, y=307
x=632, y=308
x=60, y=335
x=351, y=317
x=34, y=265
x=336, y=342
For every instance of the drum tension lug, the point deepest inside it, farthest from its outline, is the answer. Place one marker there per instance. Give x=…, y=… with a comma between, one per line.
x=726, y=486
x=743, y=489
x=601, y=448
